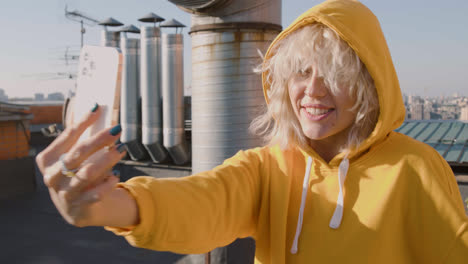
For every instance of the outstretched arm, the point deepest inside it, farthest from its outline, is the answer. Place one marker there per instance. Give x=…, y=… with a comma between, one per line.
x=89, y=196
x=195, y=214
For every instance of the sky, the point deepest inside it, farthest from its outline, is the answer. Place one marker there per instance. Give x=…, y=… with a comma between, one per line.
x=428, y=40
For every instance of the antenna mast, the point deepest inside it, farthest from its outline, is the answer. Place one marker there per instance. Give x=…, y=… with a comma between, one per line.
x=82, y=18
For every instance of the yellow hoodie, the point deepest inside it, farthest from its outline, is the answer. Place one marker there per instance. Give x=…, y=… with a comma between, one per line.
x=395, y=201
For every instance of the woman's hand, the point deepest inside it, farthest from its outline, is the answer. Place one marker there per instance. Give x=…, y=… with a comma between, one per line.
x=80, y=198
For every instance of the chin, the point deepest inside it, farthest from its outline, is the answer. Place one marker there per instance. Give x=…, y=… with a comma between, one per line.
x=315, y=134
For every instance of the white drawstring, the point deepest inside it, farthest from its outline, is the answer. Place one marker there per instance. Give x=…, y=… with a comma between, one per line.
x=338, y=214
x=305, y=188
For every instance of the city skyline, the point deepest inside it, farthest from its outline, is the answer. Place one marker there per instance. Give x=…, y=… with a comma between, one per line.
x=424, y=37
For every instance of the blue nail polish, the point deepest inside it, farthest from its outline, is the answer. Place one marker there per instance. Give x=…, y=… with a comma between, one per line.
x=116, y=173
x=95, y=107
x=121, y=148
x=115, y=130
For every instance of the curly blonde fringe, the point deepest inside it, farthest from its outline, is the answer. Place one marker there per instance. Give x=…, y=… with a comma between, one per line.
x=339, y=65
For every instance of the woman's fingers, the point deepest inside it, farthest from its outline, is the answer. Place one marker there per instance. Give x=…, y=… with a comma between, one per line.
x=79, y=153
x=66, y=140
x=82, y=151
x=94, y=172
x=51, y=173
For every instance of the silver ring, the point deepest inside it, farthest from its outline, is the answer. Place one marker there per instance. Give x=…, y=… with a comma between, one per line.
x=65, y=171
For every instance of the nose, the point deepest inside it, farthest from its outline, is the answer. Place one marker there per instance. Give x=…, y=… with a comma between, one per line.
x=315, y=86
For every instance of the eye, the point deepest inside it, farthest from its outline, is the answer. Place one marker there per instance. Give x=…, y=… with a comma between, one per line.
x=304, y=72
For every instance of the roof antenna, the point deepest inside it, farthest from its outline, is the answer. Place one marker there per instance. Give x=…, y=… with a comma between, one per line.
x=82, y=18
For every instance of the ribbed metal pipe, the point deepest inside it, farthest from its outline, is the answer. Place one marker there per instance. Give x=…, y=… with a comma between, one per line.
x=195, y=4
x=226, y=93
x=151, y=101
x=173, y=97
x=110, y=38
x=228, y=11
x=129, y=99
x=200, y=5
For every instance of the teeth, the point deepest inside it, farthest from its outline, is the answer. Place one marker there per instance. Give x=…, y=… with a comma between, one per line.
x=317, y=111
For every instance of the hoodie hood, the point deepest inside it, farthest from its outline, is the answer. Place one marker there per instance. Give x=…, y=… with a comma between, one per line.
x=359, y=27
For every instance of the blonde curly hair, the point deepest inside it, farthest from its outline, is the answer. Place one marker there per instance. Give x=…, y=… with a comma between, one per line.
x=337, y=63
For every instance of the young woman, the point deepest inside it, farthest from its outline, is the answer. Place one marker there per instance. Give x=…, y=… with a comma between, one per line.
x=334, y=184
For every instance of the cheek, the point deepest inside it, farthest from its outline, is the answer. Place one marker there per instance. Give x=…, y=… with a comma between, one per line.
x=346, y=102
x=293, y=94
x=346, y=116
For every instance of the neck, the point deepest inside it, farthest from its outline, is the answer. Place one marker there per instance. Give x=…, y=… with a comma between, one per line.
x=326, y=151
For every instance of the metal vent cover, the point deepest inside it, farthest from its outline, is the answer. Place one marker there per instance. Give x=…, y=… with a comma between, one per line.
x=172, y=23
x=130, y=29
x=151, y=18
x=111, y=22
x=198, y=5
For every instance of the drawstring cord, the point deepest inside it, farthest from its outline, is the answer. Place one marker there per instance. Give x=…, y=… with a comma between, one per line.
x=335, y=221
x=305, y=187
x=338, y=214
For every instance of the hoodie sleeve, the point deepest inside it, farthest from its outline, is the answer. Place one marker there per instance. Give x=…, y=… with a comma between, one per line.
x=438, y=225
x=458, y=249
x=195, y=214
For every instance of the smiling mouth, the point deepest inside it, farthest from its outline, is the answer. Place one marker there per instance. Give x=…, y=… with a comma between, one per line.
x=317, y=113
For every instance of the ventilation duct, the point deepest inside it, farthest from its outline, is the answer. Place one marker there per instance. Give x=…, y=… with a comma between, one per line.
x=151, y=101
x=173, y=94
x=199, y=5
x=130, y=97
x=110, y=38
x=226, y=93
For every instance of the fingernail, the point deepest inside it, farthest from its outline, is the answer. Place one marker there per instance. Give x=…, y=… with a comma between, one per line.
x=95, y=107
x=115, y=130
x=95, y=197
x=121, y=148
x=116, y=173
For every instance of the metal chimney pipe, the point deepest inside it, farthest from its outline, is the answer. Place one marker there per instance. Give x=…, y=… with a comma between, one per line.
x=226, y=93
x=151, y=101
x=173, y=97
x=110, y=38
x=129, y=100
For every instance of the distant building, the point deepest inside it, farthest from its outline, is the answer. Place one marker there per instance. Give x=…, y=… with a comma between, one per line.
x=435, y=108
x=450, y=111
x=55, y=97
x=426, y=114
x=3, y=96
x=417, y=111
x=39, y=97
x=464, y=113
x=405, y=99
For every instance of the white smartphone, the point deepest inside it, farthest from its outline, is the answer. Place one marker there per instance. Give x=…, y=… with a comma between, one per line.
x=99, y=77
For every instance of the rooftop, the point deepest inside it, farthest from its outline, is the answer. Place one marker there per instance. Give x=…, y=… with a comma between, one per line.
x=448, y=137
